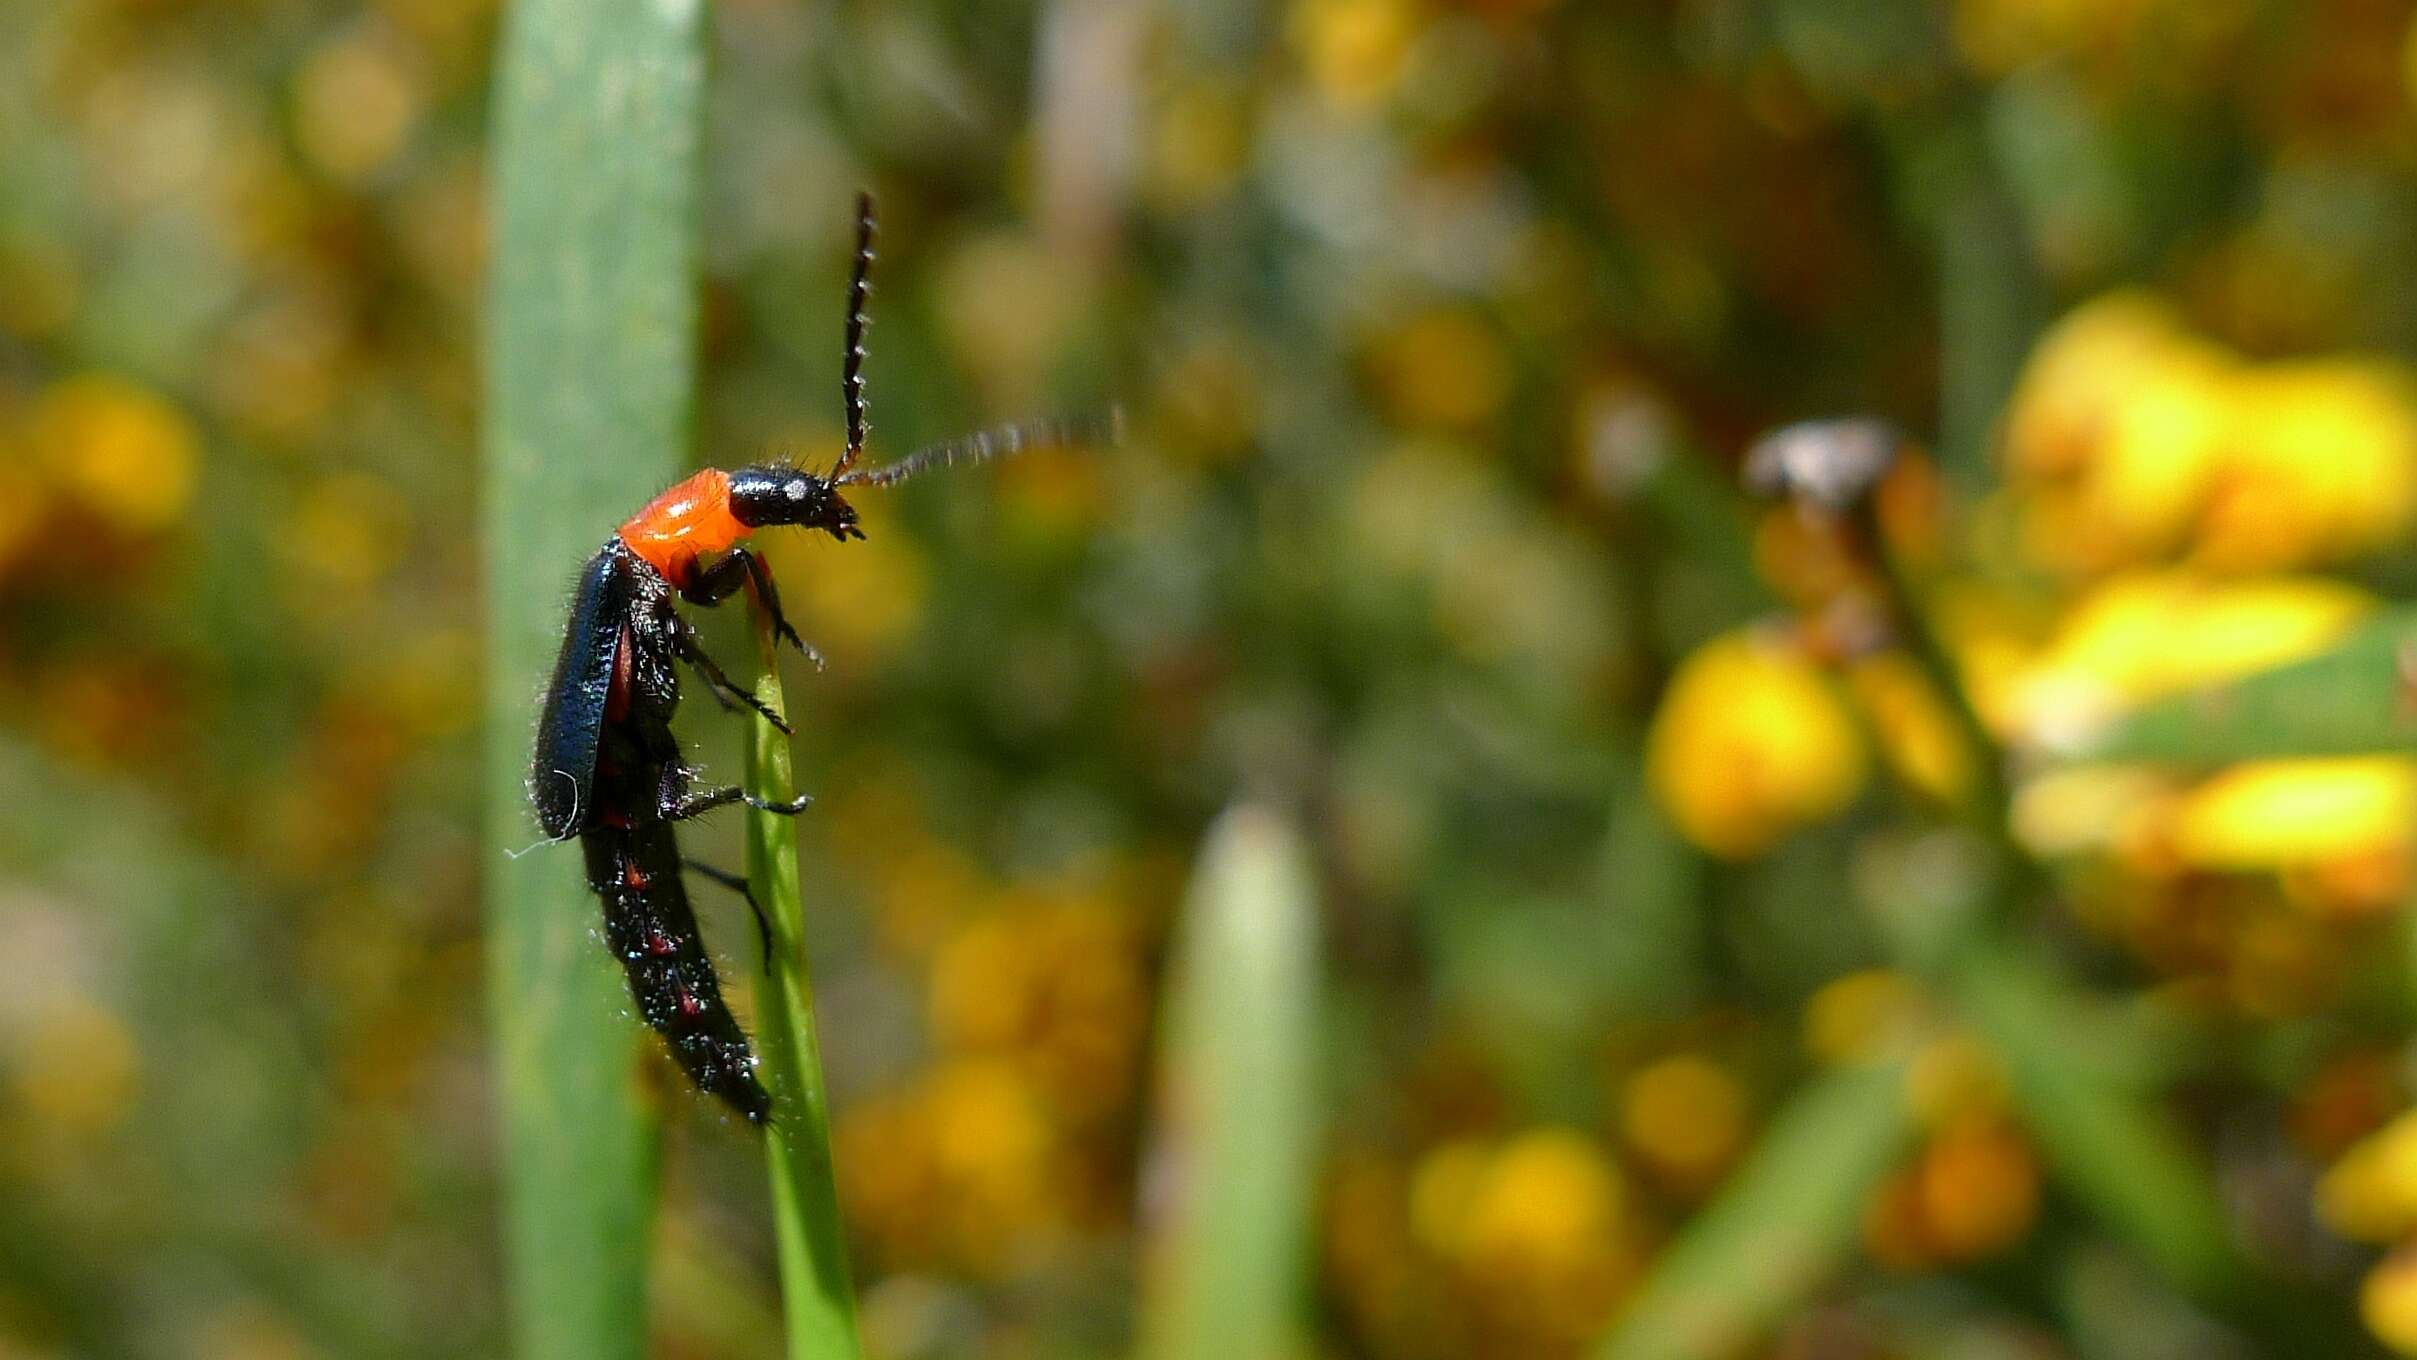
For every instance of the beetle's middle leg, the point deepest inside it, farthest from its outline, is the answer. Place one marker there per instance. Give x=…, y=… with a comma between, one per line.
x=692, y=650
x=675, y=801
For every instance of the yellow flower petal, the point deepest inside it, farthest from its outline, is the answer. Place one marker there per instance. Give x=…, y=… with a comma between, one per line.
x=2276, y=813
x=1751, y=743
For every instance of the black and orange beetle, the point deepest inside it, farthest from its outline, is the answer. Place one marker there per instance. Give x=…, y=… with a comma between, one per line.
x=608, y=769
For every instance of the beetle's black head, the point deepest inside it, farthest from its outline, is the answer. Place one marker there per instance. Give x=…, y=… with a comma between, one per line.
x=776, y=493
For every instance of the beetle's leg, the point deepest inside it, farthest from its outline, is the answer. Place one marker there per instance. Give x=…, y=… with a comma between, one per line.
x=716, y=583
x=684, y=639
x=761, y=573
x=676, y=802
x=736, y=884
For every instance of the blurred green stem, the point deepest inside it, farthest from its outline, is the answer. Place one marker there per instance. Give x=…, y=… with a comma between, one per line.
x=817, y=1294
x=1238, y=1118
x=1988, y=804
x=1782, y=1225
x=590, y=361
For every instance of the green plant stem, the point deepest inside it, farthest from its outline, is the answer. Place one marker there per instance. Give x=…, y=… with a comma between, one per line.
x=590, y=361
x=1238, y=1114
x=1989, y=803
x=1781, y=1226
x=817, y=1294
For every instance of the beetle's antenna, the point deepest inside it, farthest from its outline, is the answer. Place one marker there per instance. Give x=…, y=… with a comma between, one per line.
x=988, y=444
x=851, y=378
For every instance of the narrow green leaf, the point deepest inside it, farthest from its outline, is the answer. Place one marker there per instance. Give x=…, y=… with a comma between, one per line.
x=588, y=375
x=817, y=1294
x=2112, y=1148
x=2356, y=699
x=1787, y=1220
x=1992, y=304
x=1238, y=1104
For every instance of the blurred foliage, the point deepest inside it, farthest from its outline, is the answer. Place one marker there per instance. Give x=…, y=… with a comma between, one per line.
x=1675, y=943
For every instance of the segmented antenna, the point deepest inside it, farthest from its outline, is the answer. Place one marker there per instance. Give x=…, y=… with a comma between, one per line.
x=989, y=444
x=851, y=379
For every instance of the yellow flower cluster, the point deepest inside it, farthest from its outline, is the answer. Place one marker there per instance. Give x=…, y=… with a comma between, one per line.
x=1037, y=1005
x=2371, y=1195
x=2133, y=440
x=1971, y=1193
x=1535, y=1229
x=2185, y=493
x=1523, y=1241
x=2183, y=496
x=107, y=453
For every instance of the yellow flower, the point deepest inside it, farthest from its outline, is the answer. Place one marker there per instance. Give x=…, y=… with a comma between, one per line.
x=1862, y=1016
x=2130, y=439
x=1997, y=36
x=1953, y=1080
x=2320, y=464
x=860, y=605
x=1442, y=1189
x=2151, y=633
x=1750, y=744
x=2371, y=1193
x=2164, y=441
x=2387, y=1301
x=1443, y=369
x=76, y=1067
x=964, y=1168
x=345, y=533
x=127, y=454
x=2085, y=808
x=1537, y=1229
x=356, y=102
x=2114, y=432
x=1201, y=142
x=1686, y=1118
x=1972, y=1193
x=2077, y=377
x=2272, y=814
x=1013, y=306
x=1979, y=1189
x=1548, y=1195
x=1354, y=49
x=1054, y=987
x=1918, y=737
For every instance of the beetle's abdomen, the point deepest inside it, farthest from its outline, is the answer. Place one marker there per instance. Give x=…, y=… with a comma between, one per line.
x=648, y=923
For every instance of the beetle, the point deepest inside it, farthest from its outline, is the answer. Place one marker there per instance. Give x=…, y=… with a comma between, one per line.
x=607, y=769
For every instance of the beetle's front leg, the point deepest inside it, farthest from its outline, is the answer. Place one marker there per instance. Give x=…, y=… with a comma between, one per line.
x=715, y=584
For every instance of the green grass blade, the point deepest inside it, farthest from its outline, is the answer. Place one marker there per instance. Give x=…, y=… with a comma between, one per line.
x=2352, y=700
x=589, y=366
x=2114, y=1150
x=1237, y=1119
x=817, y=1294
x=1786, y=1221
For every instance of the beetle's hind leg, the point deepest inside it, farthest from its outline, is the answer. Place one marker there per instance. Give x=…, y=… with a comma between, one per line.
x=716, y=583
x=737, y=884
